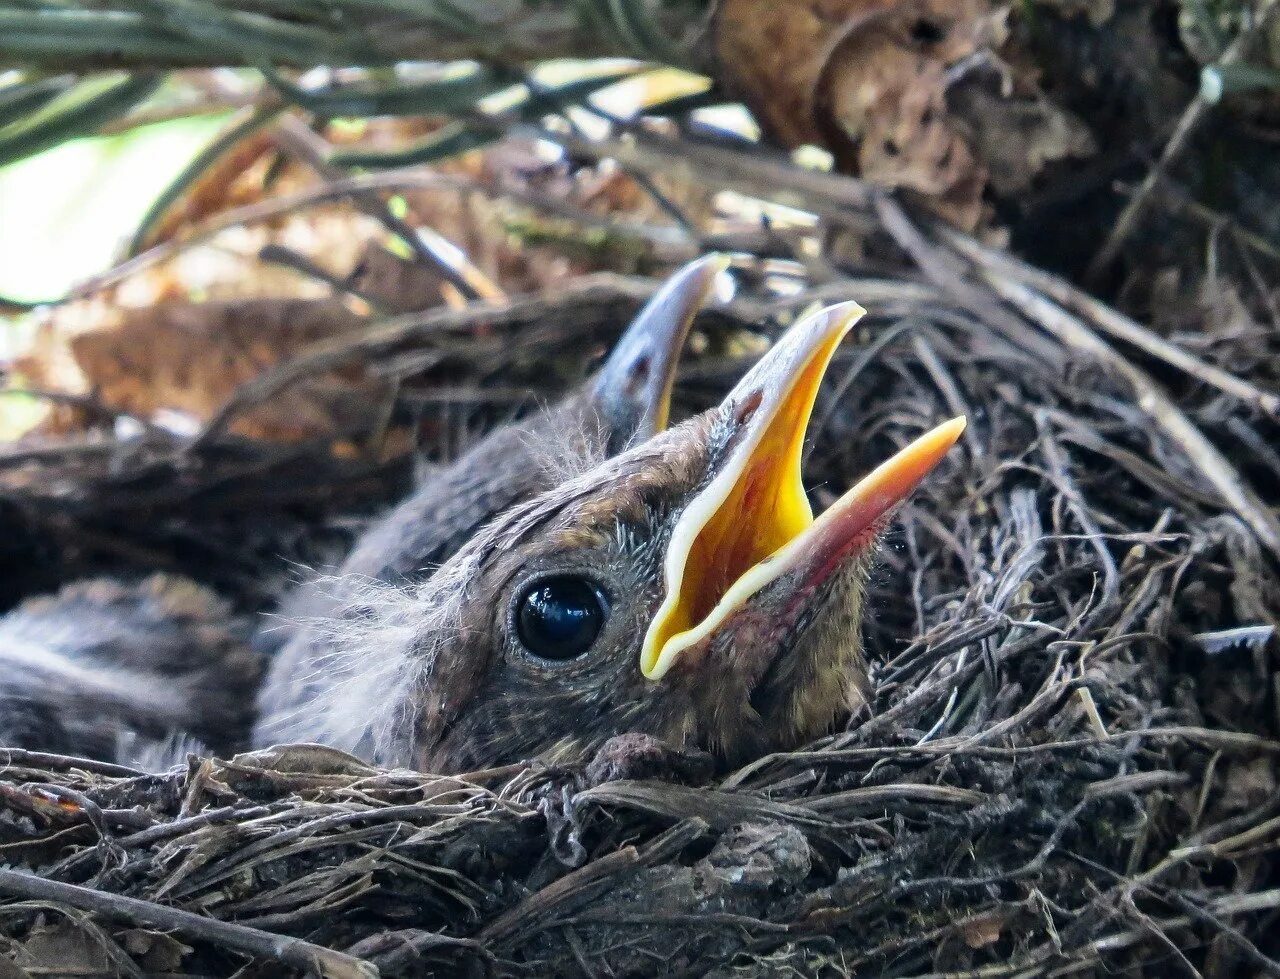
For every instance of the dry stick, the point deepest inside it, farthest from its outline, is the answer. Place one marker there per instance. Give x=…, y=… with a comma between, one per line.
x=592, y=298
x=756, y=172
x=294, y=137
x=591, y=292
x=20, y=757
x=1223, y=907
x=951, y=274
x=409, y=178
x=883, y=796
x=1191, y=119
x=1070, y=492
x=956, y=403
x=536, y=910
x=250, y=941
x=1179, y=198
x=1236, y=741
x=1109, y=320
x=561, y=892
x=1153, y=402
x=1256, y=956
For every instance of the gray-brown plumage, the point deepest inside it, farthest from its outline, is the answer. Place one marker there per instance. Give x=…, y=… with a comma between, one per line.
x=627, y=401
x=120, y=671
x=680, y=589
x=117, y=670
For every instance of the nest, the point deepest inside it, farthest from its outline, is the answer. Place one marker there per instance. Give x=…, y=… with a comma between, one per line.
x=1069, y=763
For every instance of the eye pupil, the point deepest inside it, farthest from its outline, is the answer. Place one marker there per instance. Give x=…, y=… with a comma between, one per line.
x=560, y=618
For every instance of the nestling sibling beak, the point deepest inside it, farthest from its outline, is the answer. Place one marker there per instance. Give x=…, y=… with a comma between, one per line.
x=751, y=527
x=632, y=390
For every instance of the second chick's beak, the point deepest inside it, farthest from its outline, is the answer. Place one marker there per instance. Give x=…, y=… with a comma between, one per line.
x=759, y=595
x=631, y=392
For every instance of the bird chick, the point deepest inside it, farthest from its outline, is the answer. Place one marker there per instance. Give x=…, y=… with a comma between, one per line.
x=138, y=672
x=128, y=671
x=625, y=402
x=681, y=589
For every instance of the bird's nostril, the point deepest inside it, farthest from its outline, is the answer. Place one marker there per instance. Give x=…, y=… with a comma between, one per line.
x=638, y=375
x=747, y=409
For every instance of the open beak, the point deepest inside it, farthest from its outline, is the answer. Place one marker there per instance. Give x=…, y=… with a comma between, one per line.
x=751, y=526
x=633, y=388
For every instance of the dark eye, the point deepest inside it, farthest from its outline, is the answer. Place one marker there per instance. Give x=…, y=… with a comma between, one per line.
x=560, y=618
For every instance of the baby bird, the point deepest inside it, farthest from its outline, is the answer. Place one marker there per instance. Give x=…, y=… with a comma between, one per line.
x=127, y=671
x=682, y=589
x=138, y=672
x=678, y=585
x=626, y=402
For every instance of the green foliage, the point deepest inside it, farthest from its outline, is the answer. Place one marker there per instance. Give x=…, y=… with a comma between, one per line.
x=70, y=114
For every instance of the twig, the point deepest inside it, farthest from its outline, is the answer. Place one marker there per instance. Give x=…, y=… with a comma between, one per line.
x=1186, y=128
x=295, y=138
x=956, y=403
x=275, y=948
x=1108, y=319
x=595, y=293
x=404, y=180
x=566, y=890
x=949, y=274
x=1181, y=199
x=11, y=757
x=1256, y=956
x=759, y=171
x=1236, y=493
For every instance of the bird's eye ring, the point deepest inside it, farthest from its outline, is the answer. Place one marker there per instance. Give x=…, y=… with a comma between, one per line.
x=560, y=617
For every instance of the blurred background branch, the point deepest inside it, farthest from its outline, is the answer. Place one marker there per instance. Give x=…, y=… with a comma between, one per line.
x=148, y=34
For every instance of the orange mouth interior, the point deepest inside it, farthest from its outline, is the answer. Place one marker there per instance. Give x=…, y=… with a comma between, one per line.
x=764, y=508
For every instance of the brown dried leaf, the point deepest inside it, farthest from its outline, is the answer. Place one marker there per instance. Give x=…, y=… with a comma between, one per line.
x=908, y=94
x=146, y=346
x=157, y=951
x=773, y=54
x=191, y=357
x=983, y=930
x=894, y=100
x=868, y=79
x=395, y=283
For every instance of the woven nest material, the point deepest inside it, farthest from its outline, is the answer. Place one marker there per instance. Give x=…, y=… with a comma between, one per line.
x=1069, y=765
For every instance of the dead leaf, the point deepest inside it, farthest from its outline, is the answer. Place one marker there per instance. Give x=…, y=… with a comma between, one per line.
x=1016, y=138
x=396, y=284
x=157, y=951
x=868, y=79
x=189, y=358
x=982, y=930
x=64, y=949
x=176, y=338
x=1249, y=784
